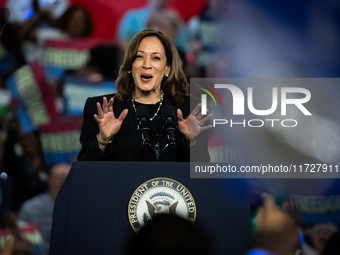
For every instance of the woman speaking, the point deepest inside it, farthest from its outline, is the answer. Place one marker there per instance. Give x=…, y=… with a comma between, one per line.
x=149, y=118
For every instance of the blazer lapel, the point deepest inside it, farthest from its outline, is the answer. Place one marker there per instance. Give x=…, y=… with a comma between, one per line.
x=127, y=135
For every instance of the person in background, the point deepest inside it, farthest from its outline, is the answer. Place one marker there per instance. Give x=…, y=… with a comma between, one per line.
x=39, y=209
x=11, y=56
x=22, y=10
x=103, y=65
x=170, y=234
x=101, y=69
x=23, y=161
x=135, y=21
x=207, y=37
x=20, y=237
x=75, y=23
x=17, y=246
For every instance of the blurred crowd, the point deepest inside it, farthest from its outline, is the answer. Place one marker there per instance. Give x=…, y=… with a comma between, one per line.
x=50, y=62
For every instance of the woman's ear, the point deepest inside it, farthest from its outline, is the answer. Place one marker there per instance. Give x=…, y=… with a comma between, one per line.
x=167, y=71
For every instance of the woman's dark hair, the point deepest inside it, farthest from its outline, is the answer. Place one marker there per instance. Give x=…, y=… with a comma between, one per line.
x=64, y=20
x=173, y=87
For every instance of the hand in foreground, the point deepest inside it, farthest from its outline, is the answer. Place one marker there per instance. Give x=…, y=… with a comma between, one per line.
x=276, y=230
x=197, y=121
x=7, y=250
x=108, y=124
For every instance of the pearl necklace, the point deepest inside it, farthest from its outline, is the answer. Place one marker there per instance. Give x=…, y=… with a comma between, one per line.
x=159, y=107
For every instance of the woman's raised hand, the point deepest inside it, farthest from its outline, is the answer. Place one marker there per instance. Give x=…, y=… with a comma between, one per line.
x=108, y=124
x=197, y=121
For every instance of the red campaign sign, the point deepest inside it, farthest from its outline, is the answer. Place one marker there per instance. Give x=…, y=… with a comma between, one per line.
x=70, y=54
x=46, y=93
x=60, y=139
x=62, y=124
x=36, y=100
x=79, y=44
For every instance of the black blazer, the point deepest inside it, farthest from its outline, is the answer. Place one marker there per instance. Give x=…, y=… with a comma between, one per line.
x=127, y=143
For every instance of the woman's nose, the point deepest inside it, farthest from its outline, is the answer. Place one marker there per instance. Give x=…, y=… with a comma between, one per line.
x=146, y=63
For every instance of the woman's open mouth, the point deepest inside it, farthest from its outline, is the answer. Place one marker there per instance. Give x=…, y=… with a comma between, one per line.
x=146, y=77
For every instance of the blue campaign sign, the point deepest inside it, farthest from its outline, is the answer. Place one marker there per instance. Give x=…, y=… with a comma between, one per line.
x=78, y=89
x=23, y=116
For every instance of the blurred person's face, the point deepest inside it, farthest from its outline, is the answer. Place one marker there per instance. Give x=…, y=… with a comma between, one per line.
x=76, y=24
x=216, y=4
x=29, y=144
x=149, y=67
x=167, y=26
x=158, y=4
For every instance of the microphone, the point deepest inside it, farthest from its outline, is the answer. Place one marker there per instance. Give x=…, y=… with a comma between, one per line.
x=143, y=125
x=169, y=123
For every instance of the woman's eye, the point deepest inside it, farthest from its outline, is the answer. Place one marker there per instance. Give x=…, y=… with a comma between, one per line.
x=139, y=56
x=157, y=58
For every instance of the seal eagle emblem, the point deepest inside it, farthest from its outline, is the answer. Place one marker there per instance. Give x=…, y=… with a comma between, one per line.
x=161, y=202
x=160, y=195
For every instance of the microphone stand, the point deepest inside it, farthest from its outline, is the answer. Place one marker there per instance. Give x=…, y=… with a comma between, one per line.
x=158, y=151
x=168, y=129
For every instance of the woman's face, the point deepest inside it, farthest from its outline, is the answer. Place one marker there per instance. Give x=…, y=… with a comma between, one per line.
x=149, y=67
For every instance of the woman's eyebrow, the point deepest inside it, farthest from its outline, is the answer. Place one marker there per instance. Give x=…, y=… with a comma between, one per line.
x=156, y=52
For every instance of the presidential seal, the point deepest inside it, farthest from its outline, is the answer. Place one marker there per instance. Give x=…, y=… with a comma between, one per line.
x=160, y=195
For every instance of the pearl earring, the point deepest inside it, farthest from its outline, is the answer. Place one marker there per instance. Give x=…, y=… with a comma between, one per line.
x=129, y=72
